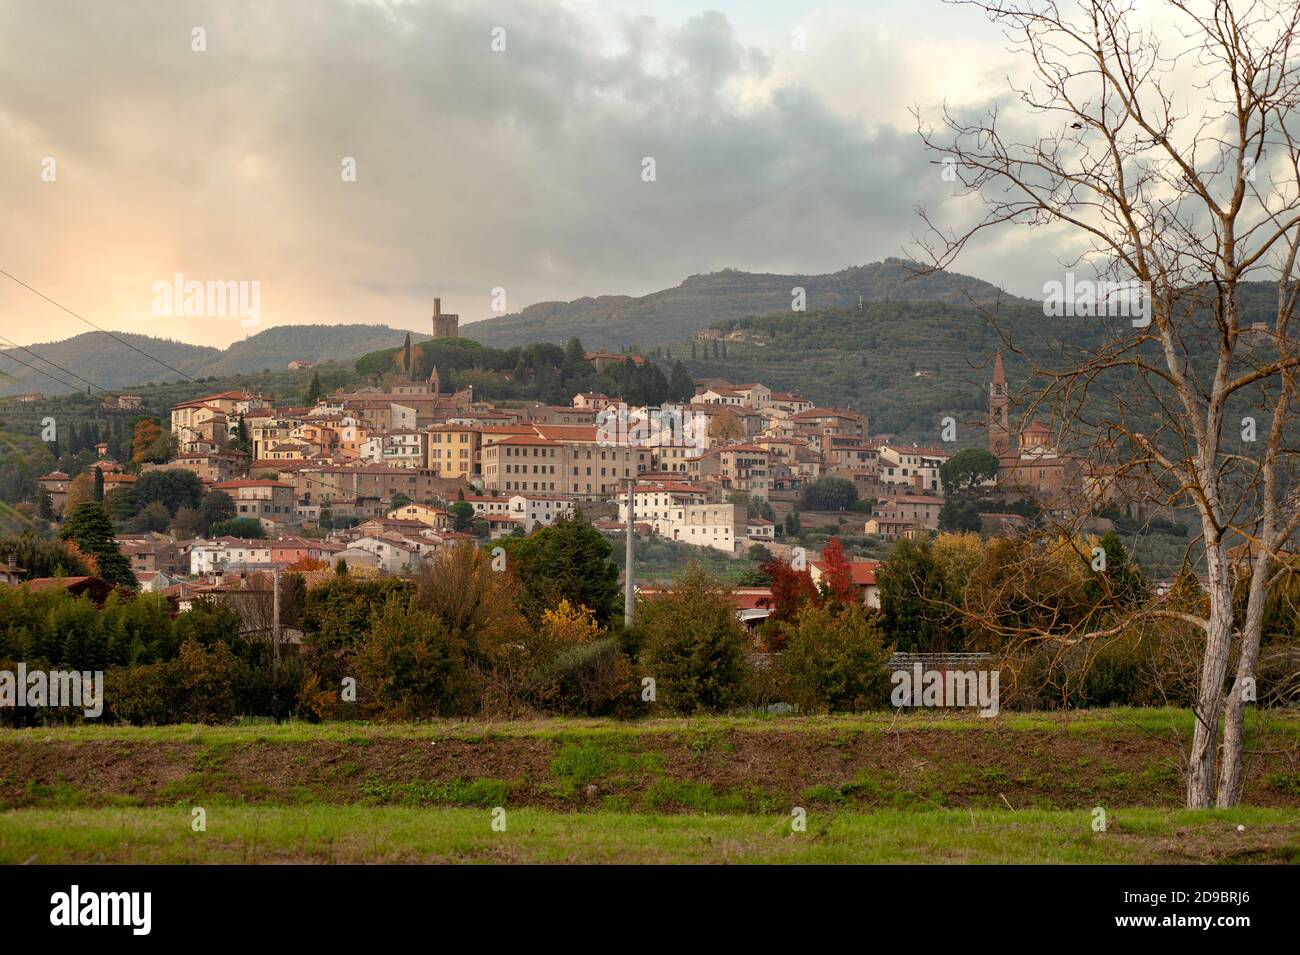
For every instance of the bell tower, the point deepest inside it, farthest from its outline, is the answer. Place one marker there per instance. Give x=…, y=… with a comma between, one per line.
x=999, y=411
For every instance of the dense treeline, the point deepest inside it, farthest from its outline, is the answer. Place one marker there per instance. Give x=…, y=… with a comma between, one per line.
x=532, y=626
x=540, y=371
x=1034, y=605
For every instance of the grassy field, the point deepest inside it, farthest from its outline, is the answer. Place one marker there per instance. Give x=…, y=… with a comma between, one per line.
x=353, y=834
x=875, y=788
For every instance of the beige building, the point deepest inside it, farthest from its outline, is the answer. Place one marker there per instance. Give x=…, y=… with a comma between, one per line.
x=454, y=451
x=818, y=421
x=738, y=467
x=426, y=514
x=531, y=463
x=901, y=516
x=197, y=419
x=268, y=501
x=373, y=483
x=716, y=526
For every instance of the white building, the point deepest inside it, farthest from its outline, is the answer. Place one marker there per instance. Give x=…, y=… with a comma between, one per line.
x=913, y=467
x=716, y=526
x=532, y=510
x=228, y=553
x=391, y=555
x=662, y=501
x=395, y=449
x=485, y=506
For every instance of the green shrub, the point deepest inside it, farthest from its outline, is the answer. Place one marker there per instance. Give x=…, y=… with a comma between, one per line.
x=206, y=685
x=590, y=679
x=694, y=646
x=140, y=695
x=836, y=661
x=412, y=667
x=202, y=685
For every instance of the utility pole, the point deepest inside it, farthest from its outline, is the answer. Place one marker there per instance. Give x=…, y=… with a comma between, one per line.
x=275, y=613
x=629, y=591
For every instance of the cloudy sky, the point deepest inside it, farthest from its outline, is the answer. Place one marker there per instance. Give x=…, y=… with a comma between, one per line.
x=476, y=169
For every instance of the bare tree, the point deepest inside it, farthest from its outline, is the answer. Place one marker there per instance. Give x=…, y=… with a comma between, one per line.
x=1160, y=145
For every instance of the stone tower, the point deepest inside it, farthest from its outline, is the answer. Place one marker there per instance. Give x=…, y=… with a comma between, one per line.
x=999, y=411
x=444, y=326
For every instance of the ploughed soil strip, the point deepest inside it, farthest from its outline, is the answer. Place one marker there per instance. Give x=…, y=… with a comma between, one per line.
x=727, y=770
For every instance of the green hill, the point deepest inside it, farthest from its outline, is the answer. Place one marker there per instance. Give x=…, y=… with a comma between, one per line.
x=101, y=359
x=869, y=358
x=274, y=348
x=670, y=315
x=111, y=365
x=909, y=363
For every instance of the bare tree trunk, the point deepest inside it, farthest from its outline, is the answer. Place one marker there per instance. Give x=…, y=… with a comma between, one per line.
x=1234, y=713
x=1209, y=702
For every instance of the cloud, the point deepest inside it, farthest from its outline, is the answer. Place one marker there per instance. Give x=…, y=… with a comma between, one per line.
x=475, y=169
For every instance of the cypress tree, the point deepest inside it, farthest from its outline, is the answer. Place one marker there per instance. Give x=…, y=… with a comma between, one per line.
x=89, y=527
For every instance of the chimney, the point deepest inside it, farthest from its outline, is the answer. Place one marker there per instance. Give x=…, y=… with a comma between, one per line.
x=437, y=307
x=13, y=563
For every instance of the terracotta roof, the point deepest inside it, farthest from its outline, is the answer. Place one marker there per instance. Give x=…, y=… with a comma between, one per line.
x=863, y=571
x=670, y=487
x=525, y=439
x=567, y=432
x=742, y=598
x=39, y=584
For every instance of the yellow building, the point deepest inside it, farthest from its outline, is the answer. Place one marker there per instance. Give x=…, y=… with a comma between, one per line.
x=454, y=451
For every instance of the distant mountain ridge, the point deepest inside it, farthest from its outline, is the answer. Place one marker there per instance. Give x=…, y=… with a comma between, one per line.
x=111, y=365
x=605, y=321
x=672, y=315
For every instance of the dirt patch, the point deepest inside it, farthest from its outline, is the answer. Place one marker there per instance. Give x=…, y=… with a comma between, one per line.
x=724, y=771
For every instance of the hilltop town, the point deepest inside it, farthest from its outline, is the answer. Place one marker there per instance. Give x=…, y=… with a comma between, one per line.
x=378, y=477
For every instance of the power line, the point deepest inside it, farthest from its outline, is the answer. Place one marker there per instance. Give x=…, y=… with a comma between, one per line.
x=58, y=366
x=41, y=371
x=79, y=318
